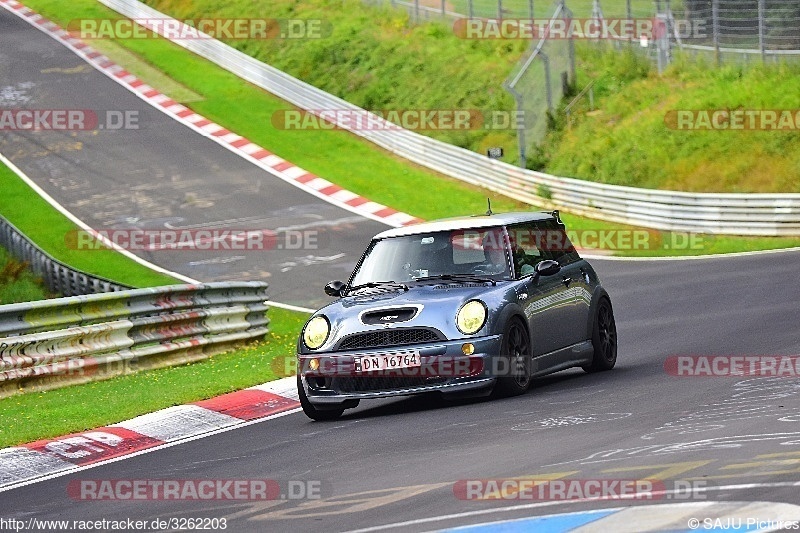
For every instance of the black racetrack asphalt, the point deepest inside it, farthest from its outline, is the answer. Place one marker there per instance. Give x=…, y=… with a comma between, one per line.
x=392, y=461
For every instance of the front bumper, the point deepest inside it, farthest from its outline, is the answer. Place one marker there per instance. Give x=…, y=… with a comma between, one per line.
x=444, y=368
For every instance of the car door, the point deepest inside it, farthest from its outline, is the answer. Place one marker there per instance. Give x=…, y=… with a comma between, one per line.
x=546, y=300
x=574, y=276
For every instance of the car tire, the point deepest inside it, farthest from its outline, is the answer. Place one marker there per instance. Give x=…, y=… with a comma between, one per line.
x=604, y=339
x=516, y=347
x=311, y=411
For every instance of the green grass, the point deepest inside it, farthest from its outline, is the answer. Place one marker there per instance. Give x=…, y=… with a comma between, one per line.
x=337, y=155
x=135, y=65
x=17, y=282
x=51, y=231
x=377, y=60
x=38, y=415
x=627, y=140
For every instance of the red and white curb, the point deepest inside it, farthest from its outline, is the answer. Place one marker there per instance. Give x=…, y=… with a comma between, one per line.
x=241, y=146
x=22, y=465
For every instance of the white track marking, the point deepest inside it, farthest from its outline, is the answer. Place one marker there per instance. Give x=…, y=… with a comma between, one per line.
x=191, y=119
x=80, y=223
x=689, y=257
x=537, y=505
x=149, y=450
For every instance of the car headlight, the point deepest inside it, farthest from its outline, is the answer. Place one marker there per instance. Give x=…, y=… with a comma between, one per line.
x=316, y=331
x=471, y=316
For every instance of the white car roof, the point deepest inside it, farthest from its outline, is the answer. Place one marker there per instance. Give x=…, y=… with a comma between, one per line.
x=479, y=221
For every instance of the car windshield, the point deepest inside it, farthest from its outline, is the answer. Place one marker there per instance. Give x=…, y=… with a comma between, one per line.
x=479, y=252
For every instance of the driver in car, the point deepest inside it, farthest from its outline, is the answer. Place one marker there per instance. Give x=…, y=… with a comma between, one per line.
x=495, y=254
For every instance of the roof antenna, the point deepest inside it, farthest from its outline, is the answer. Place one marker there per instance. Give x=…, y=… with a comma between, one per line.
x=489, y=211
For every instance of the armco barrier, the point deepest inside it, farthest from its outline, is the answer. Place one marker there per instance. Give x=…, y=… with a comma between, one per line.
x=58, y=277
x=738, y=214
x=62, y=341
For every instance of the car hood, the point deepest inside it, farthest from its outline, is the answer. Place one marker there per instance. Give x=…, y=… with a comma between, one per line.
x=422, y=306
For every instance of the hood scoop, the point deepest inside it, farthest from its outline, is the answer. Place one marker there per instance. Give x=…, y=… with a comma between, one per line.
x=458, y=286
x=389, y=316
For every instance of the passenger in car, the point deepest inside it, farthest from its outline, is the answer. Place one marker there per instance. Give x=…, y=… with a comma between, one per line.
x=524, y=264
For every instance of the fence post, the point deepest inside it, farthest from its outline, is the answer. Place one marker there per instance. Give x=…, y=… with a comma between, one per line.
x=531, y=15
x=629, y=15
x=668, y=30
x=519, y=102
x=444, y=11
x=470, y=12
x=761, y=23
x=659, y=46
x=662, y=52
x=499, y=9
x=416, y=11
x=597, y=11
x=549, y=91
x=715, y=27
x=567, y=14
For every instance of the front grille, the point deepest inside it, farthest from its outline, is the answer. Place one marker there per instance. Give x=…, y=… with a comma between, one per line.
x=389, y=337
x=384, y=383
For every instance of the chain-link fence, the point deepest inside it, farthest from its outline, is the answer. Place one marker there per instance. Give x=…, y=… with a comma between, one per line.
x=736, y=30
x=544, y=75
x=721, y=30
x=421, y=10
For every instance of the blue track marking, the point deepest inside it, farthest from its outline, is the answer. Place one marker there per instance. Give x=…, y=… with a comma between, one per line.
x=540, y=524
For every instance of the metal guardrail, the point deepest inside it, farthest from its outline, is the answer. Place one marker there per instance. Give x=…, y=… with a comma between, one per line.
x=58, y=277
x=62, y=341
x=732, y=213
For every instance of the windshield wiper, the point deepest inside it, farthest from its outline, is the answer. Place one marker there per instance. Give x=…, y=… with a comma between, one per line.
x=374, y=284
x=458, y=277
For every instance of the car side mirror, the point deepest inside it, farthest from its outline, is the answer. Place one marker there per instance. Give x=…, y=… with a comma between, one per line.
x=335, y=288
x=548, y=267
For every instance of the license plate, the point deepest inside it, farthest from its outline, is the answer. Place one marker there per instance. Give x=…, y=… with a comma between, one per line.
x=389, y=361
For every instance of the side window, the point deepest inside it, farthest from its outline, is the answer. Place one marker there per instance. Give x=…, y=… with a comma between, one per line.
x=558, y=245
x=526, y=248
x=533, y=242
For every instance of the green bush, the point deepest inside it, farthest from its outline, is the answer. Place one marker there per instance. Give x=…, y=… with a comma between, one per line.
x=17, y=283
